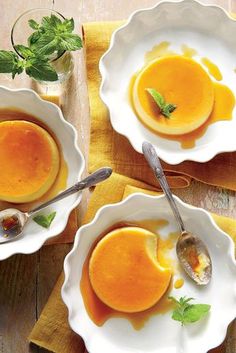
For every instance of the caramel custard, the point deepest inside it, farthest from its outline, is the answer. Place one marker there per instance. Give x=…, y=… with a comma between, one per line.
x=98, y=311
x=224, y=103
x=124, y=271
x=48, y=174
x=224, y=99
x=181, y=81
x=29, y=161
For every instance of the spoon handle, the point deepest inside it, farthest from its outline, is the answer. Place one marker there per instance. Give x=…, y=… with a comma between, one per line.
x=98, y=176
x=154, y=162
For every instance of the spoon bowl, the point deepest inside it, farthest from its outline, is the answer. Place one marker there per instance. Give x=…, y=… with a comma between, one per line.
x=191, y=251
x=194, y=257
x=13, y=221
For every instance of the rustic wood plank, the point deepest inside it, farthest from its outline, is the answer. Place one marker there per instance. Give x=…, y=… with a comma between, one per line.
x=50, y=266
x=17, y=301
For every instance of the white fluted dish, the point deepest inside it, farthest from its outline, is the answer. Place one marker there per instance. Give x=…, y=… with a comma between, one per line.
x=34, y=236
x=160, y=334
x=206, y=28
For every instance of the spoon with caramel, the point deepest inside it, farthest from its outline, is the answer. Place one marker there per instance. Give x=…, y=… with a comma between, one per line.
x=191, y=251
x=12, y=220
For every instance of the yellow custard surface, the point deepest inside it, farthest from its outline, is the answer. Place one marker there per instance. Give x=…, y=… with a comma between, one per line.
x=181, y=81
x=29, y=161
x=124, y=271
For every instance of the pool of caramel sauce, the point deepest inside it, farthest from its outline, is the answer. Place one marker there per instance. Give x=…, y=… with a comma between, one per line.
x=224, y=97
x=60, y=183
x=100, y=312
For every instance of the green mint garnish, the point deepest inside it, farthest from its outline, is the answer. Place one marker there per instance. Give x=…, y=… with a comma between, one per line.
x=33, y=24
x=165, y=108
x=188, y=313
x=52, y=36
x=40, y=70
x=9, y=62
x=45, y=220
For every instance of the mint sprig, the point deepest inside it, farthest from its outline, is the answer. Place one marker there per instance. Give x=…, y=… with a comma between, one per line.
x=36, y=67
x=41, y=70
x=45, y=220
x=10, y=63
x=49, y=40
x=185, y=312
x=165, y=108
x=55, y=35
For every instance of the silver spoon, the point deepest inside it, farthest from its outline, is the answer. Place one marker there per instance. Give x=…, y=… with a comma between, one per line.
x=12, y=220
x=191, y=251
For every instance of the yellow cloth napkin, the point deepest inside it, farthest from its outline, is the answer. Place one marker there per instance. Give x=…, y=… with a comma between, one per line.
x=52, y=330
x=109, y=148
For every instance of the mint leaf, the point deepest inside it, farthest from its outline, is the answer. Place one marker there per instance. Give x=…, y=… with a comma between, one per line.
x=46, y=44
x=41, y=70
x=188, y=313
x=45, y=220
x=168, y=109
x=177, y=316
x=10, y=63
x=69, y=42
x=51, y=22
x=18, y=68
x=68, y=25
x=33, y=24
x=24, y=51
x=158, y=98
x=195, y=312
x=33, y=38
x=56, y=35
x=8, y=60
x=165, y=108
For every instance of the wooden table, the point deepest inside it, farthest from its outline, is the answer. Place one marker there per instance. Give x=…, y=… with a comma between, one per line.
x=27, y=280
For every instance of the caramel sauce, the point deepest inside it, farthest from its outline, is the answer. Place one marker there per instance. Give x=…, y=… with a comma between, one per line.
x=179, y=283
x=188, y=51
x=224, y=98
x=9, y=223
x=60, y=183
x=213, y=70
x=100, y=312
x=222, y=111
x=159, y=50
x=163, y=49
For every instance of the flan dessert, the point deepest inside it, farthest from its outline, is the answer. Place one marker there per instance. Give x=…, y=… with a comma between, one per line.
x=29, y=161
x=124, y=271
x=181, y=81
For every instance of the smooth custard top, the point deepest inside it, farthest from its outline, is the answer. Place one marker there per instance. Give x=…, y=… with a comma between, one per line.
x=29, y=161
x=181, y=81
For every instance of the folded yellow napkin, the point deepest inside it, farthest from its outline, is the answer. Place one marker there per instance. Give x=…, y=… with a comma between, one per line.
x=52, y=330
x=109, y=148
